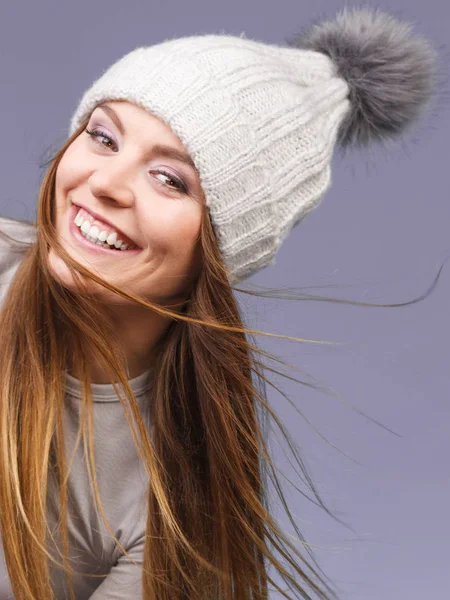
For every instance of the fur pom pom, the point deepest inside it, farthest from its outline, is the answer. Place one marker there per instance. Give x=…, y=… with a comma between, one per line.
x=390, y=71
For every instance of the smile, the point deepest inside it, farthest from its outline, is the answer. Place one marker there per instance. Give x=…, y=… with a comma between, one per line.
x=96, y=235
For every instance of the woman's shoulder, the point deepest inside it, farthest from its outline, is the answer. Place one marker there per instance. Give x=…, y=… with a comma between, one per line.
x=15, y=233
x=15, y=238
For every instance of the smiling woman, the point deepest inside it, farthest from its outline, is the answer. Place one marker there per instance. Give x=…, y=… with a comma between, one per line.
x=187, y=165
x=132, y=190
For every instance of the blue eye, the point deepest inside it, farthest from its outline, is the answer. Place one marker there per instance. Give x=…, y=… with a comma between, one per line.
x=175, y=184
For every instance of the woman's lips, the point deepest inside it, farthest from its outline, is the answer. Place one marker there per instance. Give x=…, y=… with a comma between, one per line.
x=76, y=233
x=105, y=224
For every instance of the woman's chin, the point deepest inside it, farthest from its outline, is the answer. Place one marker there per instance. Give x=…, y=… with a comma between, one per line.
x=62, y=274
x=60, y=271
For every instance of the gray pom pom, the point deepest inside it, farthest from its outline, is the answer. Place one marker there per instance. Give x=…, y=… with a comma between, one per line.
x=389, y=70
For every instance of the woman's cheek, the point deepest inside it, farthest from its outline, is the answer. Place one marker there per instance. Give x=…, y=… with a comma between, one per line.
x=181, y=227
x=75, y=167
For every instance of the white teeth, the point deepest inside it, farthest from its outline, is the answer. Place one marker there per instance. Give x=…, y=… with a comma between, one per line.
x=112, y=238
x=101, y=238
x=94, y=231
x=85, y=226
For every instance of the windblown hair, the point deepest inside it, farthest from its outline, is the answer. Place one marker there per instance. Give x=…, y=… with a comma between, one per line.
x=210, y=533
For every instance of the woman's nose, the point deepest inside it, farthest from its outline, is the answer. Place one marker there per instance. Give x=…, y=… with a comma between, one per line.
x=113, y=183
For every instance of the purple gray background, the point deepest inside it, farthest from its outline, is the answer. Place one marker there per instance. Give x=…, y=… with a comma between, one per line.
x=382, y=229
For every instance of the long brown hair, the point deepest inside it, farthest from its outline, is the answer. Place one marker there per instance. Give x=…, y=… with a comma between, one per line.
x=209, y=533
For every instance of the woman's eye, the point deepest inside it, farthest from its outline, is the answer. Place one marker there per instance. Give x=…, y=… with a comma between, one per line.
x=96, y=134
x=170, y=181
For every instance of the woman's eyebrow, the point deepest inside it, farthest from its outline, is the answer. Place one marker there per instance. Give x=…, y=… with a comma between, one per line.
x=160, y=149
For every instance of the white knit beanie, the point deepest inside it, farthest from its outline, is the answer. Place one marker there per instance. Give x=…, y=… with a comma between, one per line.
x=260, y=121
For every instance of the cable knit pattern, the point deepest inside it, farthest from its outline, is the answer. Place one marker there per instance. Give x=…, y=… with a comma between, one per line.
x=259, y=121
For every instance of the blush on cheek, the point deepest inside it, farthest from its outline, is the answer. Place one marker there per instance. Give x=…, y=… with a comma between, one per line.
x=186, y=248
x=177, y=233
x=188, y=228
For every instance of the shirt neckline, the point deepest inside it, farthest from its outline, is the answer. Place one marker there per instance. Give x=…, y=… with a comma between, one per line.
x=104, y=392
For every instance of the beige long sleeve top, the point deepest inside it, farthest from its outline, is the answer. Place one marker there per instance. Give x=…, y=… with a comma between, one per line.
x=121, y=476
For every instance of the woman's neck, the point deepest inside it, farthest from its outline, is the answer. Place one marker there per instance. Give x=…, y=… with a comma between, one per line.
x=139, y=335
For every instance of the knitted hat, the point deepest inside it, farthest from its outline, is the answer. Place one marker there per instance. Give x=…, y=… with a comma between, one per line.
x=260, y=121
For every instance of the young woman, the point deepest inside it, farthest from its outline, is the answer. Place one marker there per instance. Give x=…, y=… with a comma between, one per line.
x=133, y=462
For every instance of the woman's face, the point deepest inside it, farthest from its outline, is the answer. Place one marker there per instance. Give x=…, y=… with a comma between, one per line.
x=129, y=175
